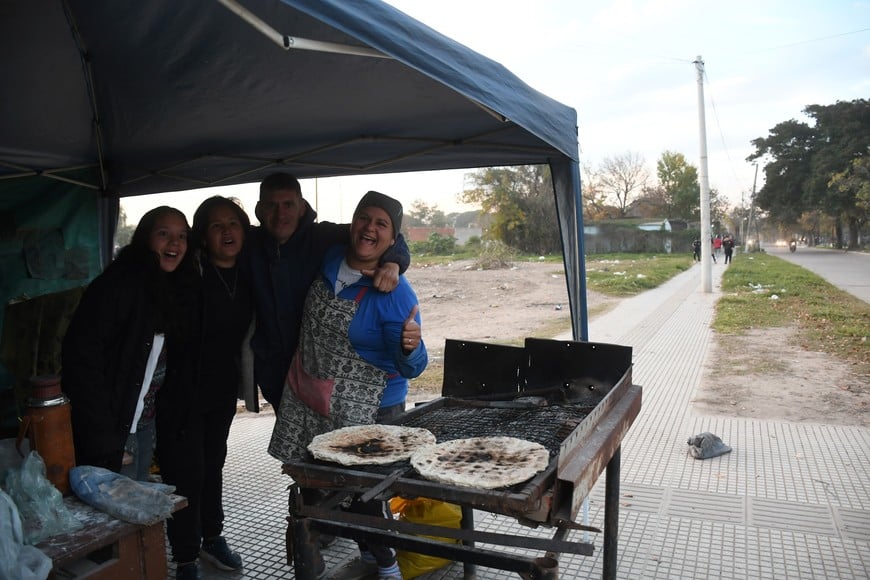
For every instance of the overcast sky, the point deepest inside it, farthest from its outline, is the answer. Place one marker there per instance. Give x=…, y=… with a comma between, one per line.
x=626, y=67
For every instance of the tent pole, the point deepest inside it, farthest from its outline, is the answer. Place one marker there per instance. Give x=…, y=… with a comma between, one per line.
x=289, y=42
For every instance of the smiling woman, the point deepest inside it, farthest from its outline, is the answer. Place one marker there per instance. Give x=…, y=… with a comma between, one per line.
x=376, y=222
x=355, y=352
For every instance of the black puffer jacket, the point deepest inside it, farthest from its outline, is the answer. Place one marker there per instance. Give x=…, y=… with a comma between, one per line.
x=105, y=351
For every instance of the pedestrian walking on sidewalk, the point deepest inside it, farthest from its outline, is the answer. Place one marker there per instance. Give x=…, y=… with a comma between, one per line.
x=728, y=246
x=696, y=250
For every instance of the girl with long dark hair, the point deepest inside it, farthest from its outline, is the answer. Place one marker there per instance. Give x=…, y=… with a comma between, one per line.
x=126, y=343
x=219, y=228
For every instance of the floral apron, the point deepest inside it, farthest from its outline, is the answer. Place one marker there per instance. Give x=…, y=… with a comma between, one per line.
x=329, y=385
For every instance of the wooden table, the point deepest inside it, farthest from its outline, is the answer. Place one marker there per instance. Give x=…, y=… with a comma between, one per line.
x=106, y=547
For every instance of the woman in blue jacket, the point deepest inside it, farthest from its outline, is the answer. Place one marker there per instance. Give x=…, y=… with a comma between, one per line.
x=352, y=365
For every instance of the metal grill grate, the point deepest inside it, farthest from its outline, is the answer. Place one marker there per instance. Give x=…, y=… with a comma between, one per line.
x=548, y=426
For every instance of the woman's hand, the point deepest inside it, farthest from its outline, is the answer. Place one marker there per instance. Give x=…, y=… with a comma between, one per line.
x=411, y=334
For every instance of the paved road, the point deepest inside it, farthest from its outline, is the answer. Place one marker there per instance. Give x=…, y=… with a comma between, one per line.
x=849, y=271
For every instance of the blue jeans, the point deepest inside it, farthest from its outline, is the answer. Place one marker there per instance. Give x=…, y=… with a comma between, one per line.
x=141, y=446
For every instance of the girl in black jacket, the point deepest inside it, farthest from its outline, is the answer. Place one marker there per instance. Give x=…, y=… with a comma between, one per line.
x=127, y=342
x=129, y=360
x=219, y=228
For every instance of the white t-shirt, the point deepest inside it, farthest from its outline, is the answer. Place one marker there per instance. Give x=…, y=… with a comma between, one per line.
x=150, y=367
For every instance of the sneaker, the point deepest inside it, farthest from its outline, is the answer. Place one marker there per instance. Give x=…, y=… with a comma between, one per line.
x=321, y=570
x=325, y=541
x=187, y=571
x=356, y=569
x=390, y=573
x=216, y=551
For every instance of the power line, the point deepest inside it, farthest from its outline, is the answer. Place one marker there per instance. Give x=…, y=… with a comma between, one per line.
x=719, y=127
x=813, y=40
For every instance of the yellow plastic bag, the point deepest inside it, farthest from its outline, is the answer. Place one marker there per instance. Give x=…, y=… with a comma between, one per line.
x=424, y=511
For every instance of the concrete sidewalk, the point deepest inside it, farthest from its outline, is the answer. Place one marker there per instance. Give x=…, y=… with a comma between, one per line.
x=790, y=501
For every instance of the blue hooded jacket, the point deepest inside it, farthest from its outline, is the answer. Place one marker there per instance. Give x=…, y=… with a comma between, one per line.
x=281, y=275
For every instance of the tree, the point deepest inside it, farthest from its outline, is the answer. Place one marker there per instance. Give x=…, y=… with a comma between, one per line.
x=853, y=190
x=650, y=204
x=124, y=232
x=789, y=149
x=718, y=208
x=803, y=162
x=856, y=181
x=681, y=191
x=423, y=214
x=621, y=177
x=439, y=245
x=521, y=201
x=594, y=200
x=813, y=223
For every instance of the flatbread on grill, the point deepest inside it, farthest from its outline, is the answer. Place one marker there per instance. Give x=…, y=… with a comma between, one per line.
x=481, y=462
x=369, y=444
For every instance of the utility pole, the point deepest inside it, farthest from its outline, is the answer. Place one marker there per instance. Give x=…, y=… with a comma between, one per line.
x=706, y=226
x=751, y=212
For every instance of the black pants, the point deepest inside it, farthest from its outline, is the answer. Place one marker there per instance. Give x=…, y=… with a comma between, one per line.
x=181, y=464
x=193, y=462
x=216, y=431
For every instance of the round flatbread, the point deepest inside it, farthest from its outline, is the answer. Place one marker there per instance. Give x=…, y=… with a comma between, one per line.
x=369, y=444
x=482, y=462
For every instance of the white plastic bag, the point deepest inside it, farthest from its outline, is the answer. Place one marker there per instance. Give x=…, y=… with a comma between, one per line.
x=40, y=504
x=17, y=561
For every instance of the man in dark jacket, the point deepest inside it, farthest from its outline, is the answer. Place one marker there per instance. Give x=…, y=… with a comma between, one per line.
x=284, y=256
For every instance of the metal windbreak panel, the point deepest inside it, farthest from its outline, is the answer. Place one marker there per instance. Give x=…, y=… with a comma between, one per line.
x=586, y=452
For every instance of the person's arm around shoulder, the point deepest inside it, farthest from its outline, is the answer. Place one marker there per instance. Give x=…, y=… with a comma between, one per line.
x=394, y=262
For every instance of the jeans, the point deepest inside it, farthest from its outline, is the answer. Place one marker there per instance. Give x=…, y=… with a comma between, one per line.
x=140, y=445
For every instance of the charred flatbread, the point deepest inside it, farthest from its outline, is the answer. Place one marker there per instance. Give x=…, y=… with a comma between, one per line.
x=369, y=444
x=481, y=462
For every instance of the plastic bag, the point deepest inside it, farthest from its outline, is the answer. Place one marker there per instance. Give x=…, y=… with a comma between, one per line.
x=706, y=445
x=425, y=511
x=43, y=512
x=17, y=561
x=119, y=496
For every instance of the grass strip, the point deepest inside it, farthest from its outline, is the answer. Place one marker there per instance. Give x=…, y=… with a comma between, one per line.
x=763, y=291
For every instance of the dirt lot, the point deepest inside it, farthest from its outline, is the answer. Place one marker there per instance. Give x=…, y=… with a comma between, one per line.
x=460, y=301
x=767, y=375
x=762, y=376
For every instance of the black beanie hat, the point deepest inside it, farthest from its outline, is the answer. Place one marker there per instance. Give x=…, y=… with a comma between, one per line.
x=393, y=207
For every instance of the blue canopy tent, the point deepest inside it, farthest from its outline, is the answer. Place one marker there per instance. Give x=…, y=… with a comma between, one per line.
x=110, y=99
x=103, y=100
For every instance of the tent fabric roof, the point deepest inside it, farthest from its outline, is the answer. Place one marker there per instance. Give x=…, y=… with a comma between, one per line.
x=187, y=95
x=130, y=98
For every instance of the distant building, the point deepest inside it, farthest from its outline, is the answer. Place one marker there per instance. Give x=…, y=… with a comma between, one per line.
x=666, y=225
